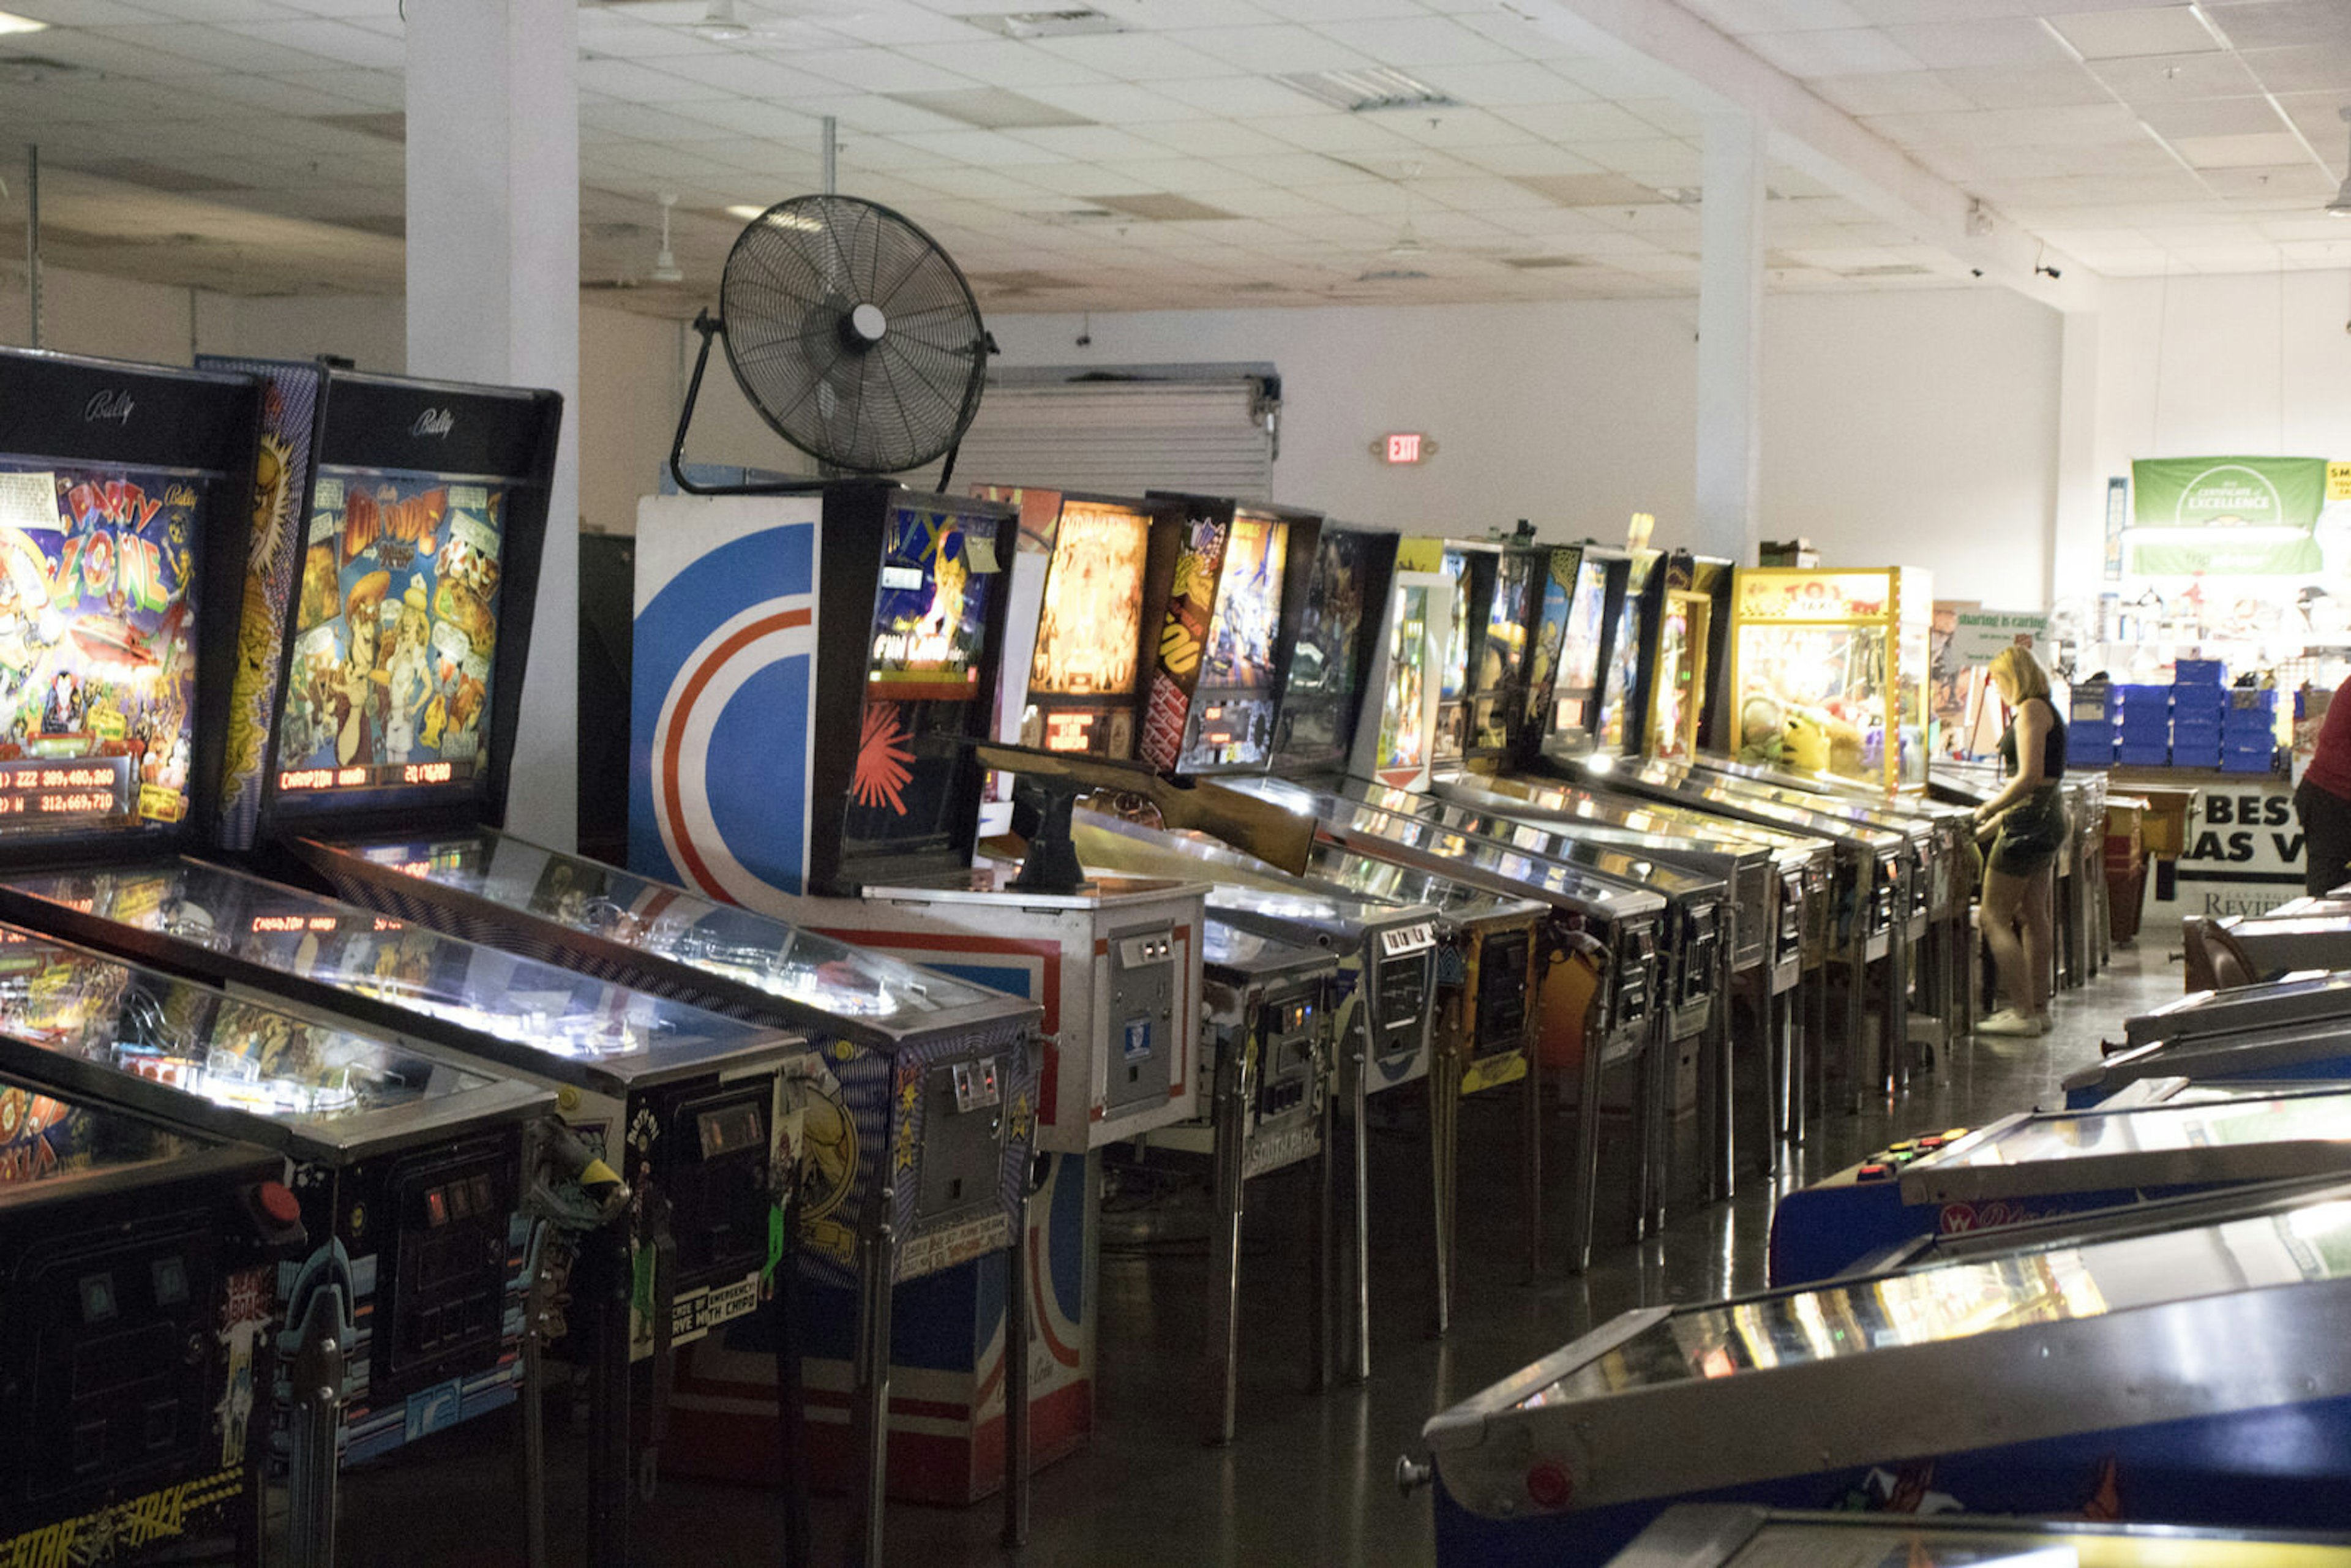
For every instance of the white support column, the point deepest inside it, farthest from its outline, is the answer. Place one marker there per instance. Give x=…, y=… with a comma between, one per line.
x=1731, y=338
x=494, y=295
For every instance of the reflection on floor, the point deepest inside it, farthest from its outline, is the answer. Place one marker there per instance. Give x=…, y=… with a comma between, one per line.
x=1311, y=1479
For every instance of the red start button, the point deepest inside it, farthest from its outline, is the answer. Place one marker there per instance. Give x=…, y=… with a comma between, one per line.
x=1873, y=1173
x=281, y=1207
x=1549, y=1485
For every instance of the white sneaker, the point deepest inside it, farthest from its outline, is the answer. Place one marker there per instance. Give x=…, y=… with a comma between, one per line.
x=2008, y=1021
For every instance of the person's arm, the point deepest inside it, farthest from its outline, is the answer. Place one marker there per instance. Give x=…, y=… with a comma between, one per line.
x=2033, y=722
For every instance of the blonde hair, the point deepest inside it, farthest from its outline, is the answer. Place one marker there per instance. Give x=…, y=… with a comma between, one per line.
x=2025, y=676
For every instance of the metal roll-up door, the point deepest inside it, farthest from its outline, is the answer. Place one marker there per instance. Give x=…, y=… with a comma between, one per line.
x=1124, y=437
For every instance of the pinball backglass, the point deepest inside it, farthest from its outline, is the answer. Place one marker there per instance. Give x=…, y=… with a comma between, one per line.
x=1087, y=668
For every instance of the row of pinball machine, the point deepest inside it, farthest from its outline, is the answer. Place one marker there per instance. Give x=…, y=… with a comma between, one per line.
x=975, y=842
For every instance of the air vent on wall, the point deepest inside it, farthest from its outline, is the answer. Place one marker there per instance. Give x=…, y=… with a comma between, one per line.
x=1372, y=89
x=1070, y=24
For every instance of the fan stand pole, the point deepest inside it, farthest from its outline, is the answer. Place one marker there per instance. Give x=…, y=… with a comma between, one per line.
x=947, y=469
x=709, y=328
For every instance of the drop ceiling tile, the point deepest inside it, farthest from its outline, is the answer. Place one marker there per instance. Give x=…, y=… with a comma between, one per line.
x=1244, y=97
x=625, y=38
x=2028, y=86
x=1457, y=127
x=1139, y=58
x=1737, y=16
x=1575, y=124
x=1903, y=13
x=1304, y=170
x=633, y=83
x=1211, y=138
x=86, y=12
x=274, y=96
x=2268, y=150
x=1272, y=204
x=1954, y=46
x=2315, y=67
x=1833, y=51
x=1524, y=37
x=641, y=122
x=1483, y=195
x=217, y=47
x=2282, y=24
x=217, y=10
x=2318, y=114
x=883, y=116
x=1077, y=180
x=745, y=118
x=2121, y=34
x=1624, y=80
x=1089, y=144
x=975, y=183
x=984, y=148
x=1346, y=133
x=1529, y=158
x=903, y=25
x=1896, y=92
x=1409, y=43
x=332, y=40
x=1496, y=84
x=1191, y=176
x=2164, y=79
x=2287, y=184
x=358, y=90
x=752, y=76
x=1662, y=161
x=880, y=70
x=1004, y=62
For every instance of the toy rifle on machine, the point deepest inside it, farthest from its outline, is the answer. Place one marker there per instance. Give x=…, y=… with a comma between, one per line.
x=1272, y=833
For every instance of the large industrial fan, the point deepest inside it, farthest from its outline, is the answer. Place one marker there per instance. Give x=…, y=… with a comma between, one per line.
x=851, y=333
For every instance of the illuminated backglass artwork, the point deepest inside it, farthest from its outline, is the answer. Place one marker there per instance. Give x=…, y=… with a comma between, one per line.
x=97, y=646
x=1248, y=606
x=1089, y=632
x=396, y=629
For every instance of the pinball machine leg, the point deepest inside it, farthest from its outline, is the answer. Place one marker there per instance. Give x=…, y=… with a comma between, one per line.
x=317, y=1422
x=1016, y=1378
x=1361, y=1369
x=1584, y=1207
x=791, y=1394
x=1326, y=1236
x=1444, y=1111
x=870, y=1399
x=1531, y=1189
x=612, y=1481
x=1851, y=1049
x=1894, y=1018
x=1726, y=1077
x=1226, y=1243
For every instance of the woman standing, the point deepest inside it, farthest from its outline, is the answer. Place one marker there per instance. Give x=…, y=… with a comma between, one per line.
x=2030, y=817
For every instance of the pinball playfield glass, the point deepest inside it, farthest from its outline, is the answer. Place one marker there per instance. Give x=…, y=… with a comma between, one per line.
x=1829, y=671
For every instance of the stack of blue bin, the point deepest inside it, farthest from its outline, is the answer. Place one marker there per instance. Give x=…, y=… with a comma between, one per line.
x=2143, y=727
x=2197, y=701
x=2090, y=727
x=2249, y=731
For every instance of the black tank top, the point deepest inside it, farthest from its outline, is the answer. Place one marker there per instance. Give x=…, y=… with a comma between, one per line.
x=2053, y=747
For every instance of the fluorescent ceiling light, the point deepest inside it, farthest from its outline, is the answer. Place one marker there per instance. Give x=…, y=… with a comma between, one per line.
x=1369, y=89
x=12, y=22
x=799, y=221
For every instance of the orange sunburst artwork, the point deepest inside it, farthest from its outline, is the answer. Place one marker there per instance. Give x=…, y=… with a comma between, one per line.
x=882, y=772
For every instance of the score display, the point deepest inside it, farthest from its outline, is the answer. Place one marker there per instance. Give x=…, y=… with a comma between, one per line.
x=95, y=792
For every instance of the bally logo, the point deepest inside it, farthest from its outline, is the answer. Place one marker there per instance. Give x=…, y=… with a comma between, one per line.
x=433, y=421
x=115, y=405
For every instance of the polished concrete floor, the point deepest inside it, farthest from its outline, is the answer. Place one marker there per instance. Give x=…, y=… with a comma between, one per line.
x=1311, y=1479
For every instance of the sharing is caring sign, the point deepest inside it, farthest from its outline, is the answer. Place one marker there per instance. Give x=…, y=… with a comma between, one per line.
x=2234, y=517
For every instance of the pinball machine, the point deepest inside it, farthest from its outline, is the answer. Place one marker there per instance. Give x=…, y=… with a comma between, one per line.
x=2288, y=1051
x=2031, y=1360
x=428, y=848
x=2039, y=1164
x=816, y=678
x=1671, y=707
x=413, y=1307
x=1216, y=609
x=1730, y=1535
x=138, y=1287
x=133, y=723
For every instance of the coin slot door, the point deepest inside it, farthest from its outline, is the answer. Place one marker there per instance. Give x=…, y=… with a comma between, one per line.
x=717, y=1174
x=1141, y=1023
x=963, y=1136
x=445, y=1261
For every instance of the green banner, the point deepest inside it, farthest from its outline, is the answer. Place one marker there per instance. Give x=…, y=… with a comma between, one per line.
x=2226, y=517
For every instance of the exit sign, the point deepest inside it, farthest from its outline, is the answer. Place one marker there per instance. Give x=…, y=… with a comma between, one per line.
x=1404, y=446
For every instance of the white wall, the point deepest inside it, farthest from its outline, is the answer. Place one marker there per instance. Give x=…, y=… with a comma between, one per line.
x=2195, y=367
x=1910, y=428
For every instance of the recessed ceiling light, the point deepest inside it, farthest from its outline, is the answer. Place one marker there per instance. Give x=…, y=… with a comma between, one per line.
x=12, y=22
x=1071, y=23
x=1370, y=89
